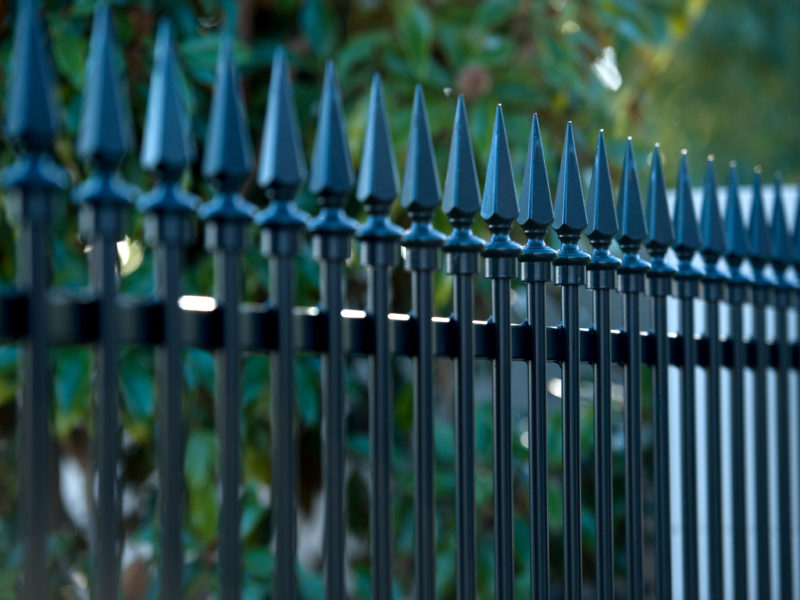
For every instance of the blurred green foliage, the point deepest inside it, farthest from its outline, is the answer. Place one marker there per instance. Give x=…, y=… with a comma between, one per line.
x=715, y=78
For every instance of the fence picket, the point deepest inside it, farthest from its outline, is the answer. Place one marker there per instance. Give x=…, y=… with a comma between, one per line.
x=738, y=288
x=461, y=201
x=659, y=238
x=167, y=149
x=281, y=171
x=602, y=278
x=781, y=258
x=420, y=195
x=331, y=180
x=227, y=162
x=536, y=216
x=633, y=230
x=32, y=183
x=377, y=188
x=104, y=200
x=762, y=288
x=570, y=220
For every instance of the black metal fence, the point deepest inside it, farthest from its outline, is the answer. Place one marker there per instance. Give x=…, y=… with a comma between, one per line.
x=39, y=320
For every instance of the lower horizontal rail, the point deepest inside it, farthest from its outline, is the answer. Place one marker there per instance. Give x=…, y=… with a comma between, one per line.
x=74, y=321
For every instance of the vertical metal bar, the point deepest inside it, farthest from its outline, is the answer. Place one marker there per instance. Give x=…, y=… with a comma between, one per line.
x=169, y=377
x=499, y=209
x=570, y=220
x=604, y=492
x=737, y=291
x=713, y=290
x=713, y=246
x=377, y=188
x=602, y=276
x=420, y=195
x=380, y=431
x=281, y=170
x=760, y=298
x=461, y=202
x=536, y=216
x=227, y=286
x=659, y=238
x=31, y=183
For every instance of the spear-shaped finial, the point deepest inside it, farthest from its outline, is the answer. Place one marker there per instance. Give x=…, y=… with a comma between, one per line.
x=570, y=212
x=331, y=166
x=421, y=187
x=633, y=228
x=661, y=234
x=713, y=232
x=282, y=164
x=499, y=207
x=760, y=246
x=106, y=130
x=228, y=156
x=536, y=210
x=377, y=176
x=781, y=245
x=461, y=199
x=687, y=234
x=737, y=246
x=167, y=143
x=31, y=116
x=601, y=215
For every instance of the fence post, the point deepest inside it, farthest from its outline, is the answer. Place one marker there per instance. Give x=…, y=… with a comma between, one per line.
x=331, y=180
x=461, y=201
x=602, y=276
x=32, y=182
x=167, y=149
x=499, y=210
x=738, y=287
x=687, y=242
x=419, y=197
x=281, y=170
x=633, y=231
x=105, y=136
x=760, y=252
x=536, y=260
x=711, y=249
x=781, y=258
x=570, y=220
x=227, y=161
x=660, y=237
x=377, y=188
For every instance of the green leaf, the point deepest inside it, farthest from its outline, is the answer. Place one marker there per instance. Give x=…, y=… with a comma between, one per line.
x=199, y=464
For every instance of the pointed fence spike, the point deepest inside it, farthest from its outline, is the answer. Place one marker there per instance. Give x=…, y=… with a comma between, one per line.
x=282, y=163
x=420, y=193
x=601, y=215
x=536, y=210
x=31, y=115
x=687, y=234
x=377, y=176
x=713, y=232
x=499, y=206
x=661, y=233
x=570, y=212
x=633, y=227
x=106, y=129
x=167, y=143
x=331, y=165
x=228, y=155
x=737, y=246
x=461, y=199
x=781, y=245
x=759, y=235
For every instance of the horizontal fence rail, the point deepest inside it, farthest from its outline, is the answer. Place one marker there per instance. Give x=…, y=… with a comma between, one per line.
x=41, y=318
